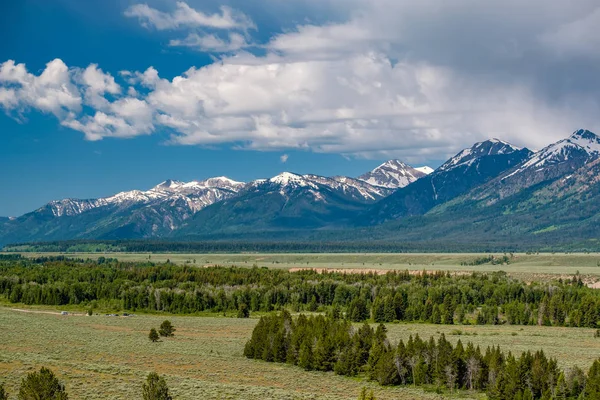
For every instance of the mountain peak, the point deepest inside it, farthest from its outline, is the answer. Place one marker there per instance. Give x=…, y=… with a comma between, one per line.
x=572, y=152
x=488, y=147
x=584, y=133
x=169, y=184
x=286, y=178
x=588, y=140
x=392, y=174
x=222, y=182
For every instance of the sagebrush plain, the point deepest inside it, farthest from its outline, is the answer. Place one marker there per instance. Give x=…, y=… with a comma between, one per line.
x=102, y=357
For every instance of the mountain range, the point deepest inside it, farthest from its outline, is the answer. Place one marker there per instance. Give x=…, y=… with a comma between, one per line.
x=492, y=192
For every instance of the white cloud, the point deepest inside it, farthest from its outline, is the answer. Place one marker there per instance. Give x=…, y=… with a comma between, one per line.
x=283, y=158
x=185, y=16
x=97, y=84
x=212, y=43
x=396, y=79
x=52, y=91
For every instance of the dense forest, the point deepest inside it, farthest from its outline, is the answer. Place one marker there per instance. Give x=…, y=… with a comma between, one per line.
x=439, y=297
x=293, y=245
x=330, y=344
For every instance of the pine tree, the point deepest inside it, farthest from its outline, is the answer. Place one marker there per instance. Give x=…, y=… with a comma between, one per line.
x=243, y=311
x=42, y=385
x=305, y=358
x=155, y=388
x=378, y=310
x=153, y=335
x=436, y=317
x=592, y=386
x=166, y=329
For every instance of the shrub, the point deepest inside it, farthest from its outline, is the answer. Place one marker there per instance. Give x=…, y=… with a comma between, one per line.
x=166, y=329
x=156, y=388
x=364, y=395
x=42, y=385
x=153, y=335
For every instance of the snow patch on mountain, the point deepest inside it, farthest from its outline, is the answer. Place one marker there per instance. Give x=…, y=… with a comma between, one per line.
x=195, y=195
x=581, y=142
x=392, y=174
x=478, y=150
x=425, y=169
x=288, y=184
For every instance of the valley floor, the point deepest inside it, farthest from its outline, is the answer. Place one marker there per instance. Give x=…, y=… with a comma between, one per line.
x=523, y=266
x=102, y=357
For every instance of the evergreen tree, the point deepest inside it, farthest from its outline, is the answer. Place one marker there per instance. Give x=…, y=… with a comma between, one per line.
x=155, y=388
x=357, y=310
x=436, y=317
x=166, y=329
x=592, y=386
x=305, y=358
x=43, y=385
x=243, y=311
x=560, y=392
x=153, y=335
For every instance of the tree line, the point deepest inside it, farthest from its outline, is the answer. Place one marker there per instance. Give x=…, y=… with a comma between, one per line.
x=296, y=243
x=327, y=344
x=437, y=297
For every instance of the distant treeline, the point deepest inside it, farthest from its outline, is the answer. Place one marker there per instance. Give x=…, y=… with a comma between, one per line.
x=266, y=246
x=329, y=344
x=437, y=297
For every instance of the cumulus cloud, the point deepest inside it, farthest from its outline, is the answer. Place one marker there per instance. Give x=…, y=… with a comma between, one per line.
x=283, y=158
x=396, y=78
x=185, y=16
x=52, y=91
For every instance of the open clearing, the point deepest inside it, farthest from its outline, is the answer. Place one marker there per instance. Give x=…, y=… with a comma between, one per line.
x=523, y=266
x=102, y=357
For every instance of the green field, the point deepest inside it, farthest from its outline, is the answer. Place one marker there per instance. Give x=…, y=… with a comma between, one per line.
x=102, y=357
x=524, y=266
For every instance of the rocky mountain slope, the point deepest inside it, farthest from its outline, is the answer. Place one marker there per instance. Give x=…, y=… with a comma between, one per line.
x=463, y=172
x=288, y=201
x=392, y=174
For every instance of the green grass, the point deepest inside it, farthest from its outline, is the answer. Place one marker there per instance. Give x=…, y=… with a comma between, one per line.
x=102, y=357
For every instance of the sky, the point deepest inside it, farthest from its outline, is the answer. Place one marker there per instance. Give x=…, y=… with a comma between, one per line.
x=98, y=97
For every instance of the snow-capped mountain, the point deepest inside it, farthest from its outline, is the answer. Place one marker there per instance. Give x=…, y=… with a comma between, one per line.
x=466, y=170
x=582, y=145
x=481, y=189
x=288, y=201
x=552, y=162
x=392, y=174
x=478, y=150
x=288, y=183
x=198, y=194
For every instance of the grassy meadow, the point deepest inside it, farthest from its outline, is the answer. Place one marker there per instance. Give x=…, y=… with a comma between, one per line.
x=103, y=357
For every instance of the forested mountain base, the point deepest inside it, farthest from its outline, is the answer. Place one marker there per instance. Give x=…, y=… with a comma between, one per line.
x=329, y=344
x=438, y=297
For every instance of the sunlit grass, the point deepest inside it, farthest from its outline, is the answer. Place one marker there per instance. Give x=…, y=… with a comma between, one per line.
x=103, y=357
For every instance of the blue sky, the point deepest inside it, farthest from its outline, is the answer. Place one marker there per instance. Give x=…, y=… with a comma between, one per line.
x=100, y=97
